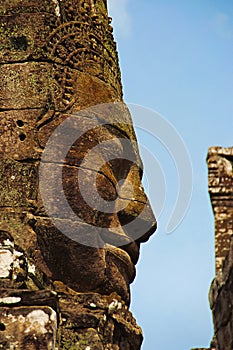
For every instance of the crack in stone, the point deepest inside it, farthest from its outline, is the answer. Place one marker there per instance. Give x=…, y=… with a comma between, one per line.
x=97, y=172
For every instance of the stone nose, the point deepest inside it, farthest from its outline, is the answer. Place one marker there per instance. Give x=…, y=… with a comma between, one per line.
x=137, y=218
x=133, y=221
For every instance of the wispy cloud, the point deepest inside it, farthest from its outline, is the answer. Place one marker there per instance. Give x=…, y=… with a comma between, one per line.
x=223, y=25
x=121, y=19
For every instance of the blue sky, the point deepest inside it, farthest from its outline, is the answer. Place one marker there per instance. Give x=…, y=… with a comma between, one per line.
x=176, y=59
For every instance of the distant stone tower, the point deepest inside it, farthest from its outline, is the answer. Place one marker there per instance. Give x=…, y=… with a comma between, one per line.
x=58, y=58
x=220, y=168
x=220, y=165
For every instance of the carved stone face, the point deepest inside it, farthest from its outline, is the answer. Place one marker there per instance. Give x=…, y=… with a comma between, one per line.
x=101, y=182
x=69, y=63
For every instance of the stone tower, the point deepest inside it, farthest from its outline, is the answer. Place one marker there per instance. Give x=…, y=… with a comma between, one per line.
x=220, y=162
x=58, y=291
x=220, y=165
x=220, y=175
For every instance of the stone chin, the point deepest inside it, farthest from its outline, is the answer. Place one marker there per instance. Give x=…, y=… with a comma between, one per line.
x=83, y=268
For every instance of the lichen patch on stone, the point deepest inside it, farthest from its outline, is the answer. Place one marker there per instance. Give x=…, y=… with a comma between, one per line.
x=6, y=263
x=37, y=320
x=14, y=345
x=93, y=305
x=31, y=268
x=57, y=8
x=53, y=316
x=114, y=305
x=10, y=300
x=7, y=243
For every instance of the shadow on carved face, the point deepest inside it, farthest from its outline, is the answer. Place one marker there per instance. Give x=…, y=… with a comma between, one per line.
x=109, y=194
x=101, y=181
